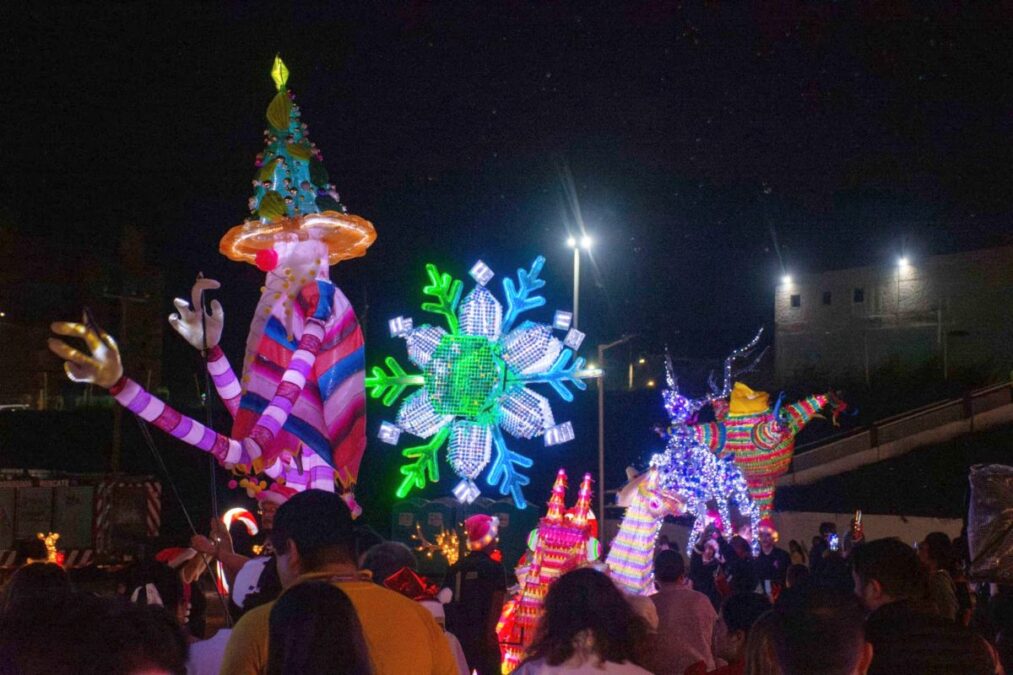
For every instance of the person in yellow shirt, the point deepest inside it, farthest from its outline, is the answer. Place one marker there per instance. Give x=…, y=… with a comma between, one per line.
x=314, y=538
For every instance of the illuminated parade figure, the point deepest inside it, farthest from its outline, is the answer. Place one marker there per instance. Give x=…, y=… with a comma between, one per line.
x=692, y=469
x=631, y=556
x=562, y=541
x=477, y=381
x=299, y=410
x=761, y=437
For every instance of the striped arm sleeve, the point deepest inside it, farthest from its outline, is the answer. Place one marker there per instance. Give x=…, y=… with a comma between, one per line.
x=292, y=382
x=226, y=383
x=152, y=409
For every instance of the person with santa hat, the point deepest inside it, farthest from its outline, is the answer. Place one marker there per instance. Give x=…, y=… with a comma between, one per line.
x=478, y=584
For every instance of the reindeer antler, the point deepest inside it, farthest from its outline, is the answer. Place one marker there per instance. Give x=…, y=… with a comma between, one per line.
x=730, y=374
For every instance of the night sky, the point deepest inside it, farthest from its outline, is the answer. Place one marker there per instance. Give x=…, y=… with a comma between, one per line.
x=710, y=147
x=696, y=136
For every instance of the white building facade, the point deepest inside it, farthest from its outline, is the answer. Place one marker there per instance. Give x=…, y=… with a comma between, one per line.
x=953, y=310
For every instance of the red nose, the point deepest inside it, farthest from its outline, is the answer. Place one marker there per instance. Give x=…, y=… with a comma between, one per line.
x=266, y=260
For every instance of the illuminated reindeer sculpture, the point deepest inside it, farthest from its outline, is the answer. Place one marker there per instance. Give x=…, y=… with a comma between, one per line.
x=692, y=469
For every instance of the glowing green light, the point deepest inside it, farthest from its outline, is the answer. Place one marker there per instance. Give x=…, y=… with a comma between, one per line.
x=462, y=376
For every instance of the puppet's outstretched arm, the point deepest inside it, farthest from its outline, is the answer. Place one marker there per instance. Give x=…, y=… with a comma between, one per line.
x=203, y=330
x=103, y=367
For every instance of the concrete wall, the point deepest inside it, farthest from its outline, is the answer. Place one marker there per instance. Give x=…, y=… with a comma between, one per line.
x=802, y=526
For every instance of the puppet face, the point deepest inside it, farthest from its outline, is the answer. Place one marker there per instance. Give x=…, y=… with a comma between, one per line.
x=301, y=257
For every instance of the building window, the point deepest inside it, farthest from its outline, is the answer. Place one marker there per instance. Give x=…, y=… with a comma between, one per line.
x=858, y=295
x=796, y=300
x=826, y=297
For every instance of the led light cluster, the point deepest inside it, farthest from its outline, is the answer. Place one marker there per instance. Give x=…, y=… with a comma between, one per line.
x=477, y=381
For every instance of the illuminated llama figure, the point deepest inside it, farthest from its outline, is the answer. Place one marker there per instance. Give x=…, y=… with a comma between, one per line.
x=631, y=557
x=561, y=543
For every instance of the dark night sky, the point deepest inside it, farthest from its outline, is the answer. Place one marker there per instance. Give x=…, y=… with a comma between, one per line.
x=690, y=131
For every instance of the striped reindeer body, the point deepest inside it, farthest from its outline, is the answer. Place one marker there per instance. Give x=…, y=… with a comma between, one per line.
x=760, y=438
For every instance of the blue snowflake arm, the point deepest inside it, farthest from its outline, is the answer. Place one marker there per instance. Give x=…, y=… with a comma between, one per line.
x=519, y=298
x=391, y=386
x=559, y=374
x=426, y=463
x=446, y=291
x=504, y=470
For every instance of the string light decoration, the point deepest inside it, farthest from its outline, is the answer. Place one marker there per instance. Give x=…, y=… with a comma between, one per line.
x=562, y=541
x=237, y=515
x=476, y=382
x=52, y=555
x=447, y=544
x=693, y=469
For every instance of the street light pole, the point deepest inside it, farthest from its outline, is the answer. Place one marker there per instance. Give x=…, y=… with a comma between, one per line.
x=584, y=243
x=576, y=286
x=601, y=428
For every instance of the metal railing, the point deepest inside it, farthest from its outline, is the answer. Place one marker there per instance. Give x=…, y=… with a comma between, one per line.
x=890, y=429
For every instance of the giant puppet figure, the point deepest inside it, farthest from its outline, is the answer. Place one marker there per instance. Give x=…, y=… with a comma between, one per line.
x=761, y=437
x=299, y=409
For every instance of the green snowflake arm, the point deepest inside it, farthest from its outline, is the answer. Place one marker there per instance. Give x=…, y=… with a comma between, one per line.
x=426, y=462
x=446, y=291
x=519, y=298
x=560, y=374
x=504, y=470
x=393, y=385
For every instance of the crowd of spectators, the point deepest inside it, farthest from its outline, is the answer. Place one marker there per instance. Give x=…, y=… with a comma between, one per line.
x=335, y=598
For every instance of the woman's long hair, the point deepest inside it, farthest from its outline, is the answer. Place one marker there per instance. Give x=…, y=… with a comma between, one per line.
x=586, y=601
x=759, y=655
x=314, y=630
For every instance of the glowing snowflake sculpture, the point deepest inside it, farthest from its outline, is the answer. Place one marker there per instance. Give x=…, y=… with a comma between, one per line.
x=475, y=382
x=691, y=468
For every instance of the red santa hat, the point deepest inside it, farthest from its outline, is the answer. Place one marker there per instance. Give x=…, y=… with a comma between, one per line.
x=408, y=583
x=767, y=525
x=175, y=557
x=482, y=530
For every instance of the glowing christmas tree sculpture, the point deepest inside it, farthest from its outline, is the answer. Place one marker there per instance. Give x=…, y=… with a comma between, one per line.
x=561, y=542
x=476, y=382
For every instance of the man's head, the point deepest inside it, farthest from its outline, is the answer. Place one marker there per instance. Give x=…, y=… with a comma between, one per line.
x=827, y=528
x=885, y=570
x=383, y=560
x=766, y=538
x=823, y=635
x=267, y=510
x=936, y=551
x=741, y=547
x=738, y=613
x=669, y=567
x=311, y=530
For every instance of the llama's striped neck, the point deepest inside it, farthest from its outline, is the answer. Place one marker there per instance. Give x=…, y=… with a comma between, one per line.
x=631, y=558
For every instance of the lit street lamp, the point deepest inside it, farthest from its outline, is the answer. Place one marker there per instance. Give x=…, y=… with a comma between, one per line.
x=585, y=243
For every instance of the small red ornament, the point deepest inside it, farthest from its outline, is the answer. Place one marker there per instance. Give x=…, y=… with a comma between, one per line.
x=266, y=260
